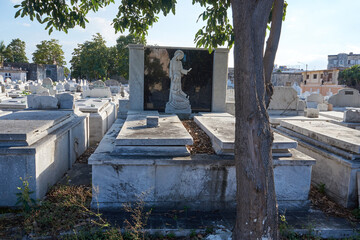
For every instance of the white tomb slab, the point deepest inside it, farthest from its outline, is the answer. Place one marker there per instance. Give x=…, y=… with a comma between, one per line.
x=221, y=131
x=170, y=132
x=336, y=150
x=14, y=104
x=332, y=134
x=39, y=146
x=102, y=115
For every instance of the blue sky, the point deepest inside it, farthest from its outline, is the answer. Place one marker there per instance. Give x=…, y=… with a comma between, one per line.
x=312, y=30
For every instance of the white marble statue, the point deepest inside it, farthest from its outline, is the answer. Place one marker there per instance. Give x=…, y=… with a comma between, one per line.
x=178, y=100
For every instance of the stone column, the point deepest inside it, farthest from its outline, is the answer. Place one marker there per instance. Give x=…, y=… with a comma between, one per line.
x=136, y=76
x=220, y=75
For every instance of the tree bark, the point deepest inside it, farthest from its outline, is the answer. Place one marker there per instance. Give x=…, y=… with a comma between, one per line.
x=256, y=201
x=271, y=46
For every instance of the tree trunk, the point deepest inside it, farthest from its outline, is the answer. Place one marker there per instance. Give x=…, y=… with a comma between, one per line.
x=256, y=202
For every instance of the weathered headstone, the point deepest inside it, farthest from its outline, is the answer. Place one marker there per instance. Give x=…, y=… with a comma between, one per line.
x=352, y=116
x=312, y=113
x=284, y=98
x=43, y=102
x=98, y=84
x=47, y=83
x=347, y=97
x=66, y=101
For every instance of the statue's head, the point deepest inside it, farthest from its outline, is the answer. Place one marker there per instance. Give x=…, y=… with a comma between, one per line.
x=179, y=54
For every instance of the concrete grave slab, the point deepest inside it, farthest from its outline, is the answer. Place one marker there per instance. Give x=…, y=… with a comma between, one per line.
x=170, y=132
x=342, y=137
x=335, y=115
x=14, y=104
x=25, y=127
x=221, y=131
x=275, y=119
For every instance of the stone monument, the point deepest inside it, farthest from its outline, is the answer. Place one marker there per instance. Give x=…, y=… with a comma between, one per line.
x=178, y=100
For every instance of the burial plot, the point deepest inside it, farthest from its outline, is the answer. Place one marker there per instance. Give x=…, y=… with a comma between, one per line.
x=168, y=138
x=39, y=146
x=14, y=104
x=102, y=115
x=133, y=158
x=337, y=153
x=292, y=169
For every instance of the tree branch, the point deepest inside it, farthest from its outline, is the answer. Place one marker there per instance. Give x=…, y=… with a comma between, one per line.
x=271, y=47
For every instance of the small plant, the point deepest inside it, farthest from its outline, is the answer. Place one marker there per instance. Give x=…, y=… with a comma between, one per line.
x=209, y=230
x=285, y=229
x=23, y=197
x=175, y=217
x=170, y=235
x=192, y=233
x=321, y=188
x=135, y=227
x=356, y=212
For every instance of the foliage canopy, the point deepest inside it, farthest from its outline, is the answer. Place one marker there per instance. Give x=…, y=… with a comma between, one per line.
x=350, y=77
x=49, y=52
x=15, y=52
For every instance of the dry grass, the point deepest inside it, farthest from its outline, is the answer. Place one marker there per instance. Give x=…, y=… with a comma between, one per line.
x=202, y=143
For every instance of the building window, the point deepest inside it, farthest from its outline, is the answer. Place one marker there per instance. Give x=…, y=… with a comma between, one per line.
x=315, y=76
x=348, y=61
x=330, y=77
x=307, y=76
x=322, y=76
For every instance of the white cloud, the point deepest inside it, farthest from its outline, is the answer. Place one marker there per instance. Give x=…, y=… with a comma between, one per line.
x=104, y=27
x=26, y=24
x=16, y=1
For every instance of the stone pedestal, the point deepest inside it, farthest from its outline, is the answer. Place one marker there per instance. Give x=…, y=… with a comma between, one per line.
x=136, y=76
x=220, y=75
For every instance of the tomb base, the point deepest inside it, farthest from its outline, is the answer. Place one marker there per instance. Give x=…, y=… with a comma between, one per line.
x=38, y=150
x=205, y=182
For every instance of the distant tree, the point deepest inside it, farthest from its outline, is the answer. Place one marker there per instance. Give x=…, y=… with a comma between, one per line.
x=16, y=51
x=76, y=63
x=113, y=62
x=350, y=77
x=66, y=72
x=123, y=52
x=49, y=52
x=90, y=59
x=2, y=52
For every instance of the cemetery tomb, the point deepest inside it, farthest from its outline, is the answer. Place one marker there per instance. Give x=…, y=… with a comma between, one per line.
x=102, y=115
x=292, y=169
x=337, y=153
x=19, y=103
x=349, y=118
x=39, y=146
x=133, y=158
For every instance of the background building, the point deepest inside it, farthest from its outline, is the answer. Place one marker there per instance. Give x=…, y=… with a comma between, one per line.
x=13, y=73
x=39, y=71
x=323, y=81
x=343, y=60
